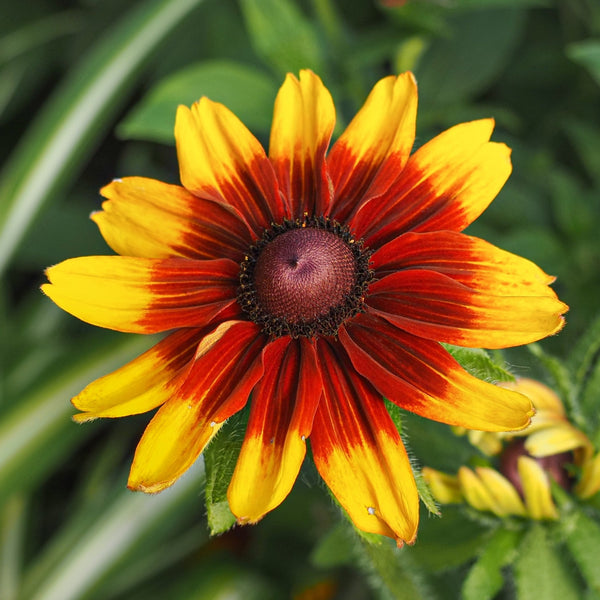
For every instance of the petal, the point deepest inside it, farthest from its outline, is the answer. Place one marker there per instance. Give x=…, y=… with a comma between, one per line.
x=536, y=489
x=151, y=219
x=542, y=397
x=281, y=417
x=466, y=259
x=142, y=384
x=219, y=159
x=589, y=484
x=506, y=498
x=140, y=295
x=436, y=307
x=369, y=156
x=475, y=492
x=446, y=184
x=554, y=440
x=445, y=488
x=420, y=376
x=359, y=453
x=226, y=367
x=303, y=121
x=488, y=490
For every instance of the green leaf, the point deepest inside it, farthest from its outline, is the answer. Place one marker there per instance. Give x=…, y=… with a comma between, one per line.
x=450, y=71
x=560, y=375
x=539, y=571
x=589, y=399
x=334, y=548
x=74, y=120
x=392, y=571
x=282, y=35
x=248, y=92
x=485, y=578
x=583, y=540
x=587, y=54
x=480, y=364
x=220, y=457
x=585, y=137
x=585, y=352
x=466, y=535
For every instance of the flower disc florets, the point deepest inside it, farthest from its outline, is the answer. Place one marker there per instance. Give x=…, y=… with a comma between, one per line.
x=304, y=278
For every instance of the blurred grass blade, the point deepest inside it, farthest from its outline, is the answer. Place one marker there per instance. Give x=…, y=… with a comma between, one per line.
x=12, y=526
x=38, y=432
x=67, y=130
x=125, y=524
x=38, y=33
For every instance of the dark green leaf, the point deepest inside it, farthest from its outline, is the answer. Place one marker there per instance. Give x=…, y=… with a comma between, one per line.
x=282, y=35
x=539, y=570
x=392, y=570
x=447, y=542
x=248, y=92
x=220, y=458
x=334, y=548
x=559, y=373
x=587, y=54
x=485, y=578
x=585, y=352
x=585, y=137
x=451, y=70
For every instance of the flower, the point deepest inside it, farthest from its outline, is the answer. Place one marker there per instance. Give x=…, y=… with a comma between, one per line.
x=317, y=282
x=540, y=452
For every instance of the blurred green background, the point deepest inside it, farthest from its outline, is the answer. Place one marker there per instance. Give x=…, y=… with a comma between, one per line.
x=88, y=92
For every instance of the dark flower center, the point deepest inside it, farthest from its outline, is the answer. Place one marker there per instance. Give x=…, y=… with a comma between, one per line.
x=555, y=465
x=304, y=278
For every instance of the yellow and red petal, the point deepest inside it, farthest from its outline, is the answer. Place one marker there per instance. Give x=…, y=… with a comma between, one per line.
x=142, y=384
x=468, y=260
x=140, y=295
x=219, y=159
x=217, y=384
x=434, y=306
x=370, y=155
x=359, y=453
x=536, y=489
x=303, y=121
x=420, y=376
x=446, y=185
x=281, y=416
x=150, y=219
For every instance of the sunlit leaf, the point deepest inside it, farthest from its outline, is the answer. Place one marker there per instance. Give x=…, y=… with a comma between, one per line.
x=245, y=90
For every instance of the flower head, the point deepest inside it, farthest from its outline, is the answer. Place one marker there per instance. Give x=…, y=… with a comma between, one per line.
x=319, y=282
x=528, y=460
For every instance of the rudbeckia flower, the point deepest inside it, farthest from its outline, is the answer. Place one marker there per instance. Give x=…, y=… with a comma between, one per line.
x=529, y=458
x=316, y=283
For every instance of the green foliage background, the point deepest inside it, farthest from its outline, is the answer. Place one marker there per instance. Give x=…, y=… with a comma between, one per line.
x=88, y=92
